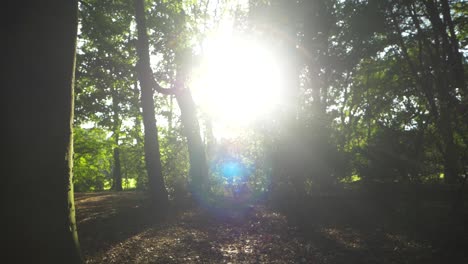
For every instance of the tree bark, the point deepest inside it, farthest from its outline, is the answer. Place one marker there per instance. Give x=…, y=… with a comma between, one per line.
x=456, y=58
x=117, y=171
x=38, y=93
x=137, y=129
x=198, y=164
x=157, y=188
x=445, y=89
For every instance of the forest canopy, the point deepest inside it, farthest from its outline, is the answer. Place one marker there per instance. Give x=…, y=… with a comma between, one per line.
x=303, y=95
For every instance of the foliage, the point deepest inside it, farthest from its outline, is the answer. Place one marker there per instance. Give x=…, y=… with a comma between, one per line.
x=107, y=95
x=372, y=106
x=377, y=102
x=92, y=159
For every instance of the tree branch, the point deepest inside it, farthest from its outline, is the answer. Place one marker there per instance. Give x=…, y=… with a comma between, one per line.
x=156, y=87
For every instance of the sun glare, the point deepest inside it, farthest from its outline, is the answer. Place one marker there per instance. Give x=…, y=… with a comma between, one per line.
x=238, y=80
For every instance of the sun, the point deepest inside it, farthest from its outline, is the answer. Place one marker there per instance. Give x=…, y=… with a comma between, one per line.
x=238, y=80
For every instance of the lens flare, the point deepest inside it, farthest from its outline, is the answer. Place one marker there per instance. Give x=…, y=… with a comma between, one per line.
x=237, y=82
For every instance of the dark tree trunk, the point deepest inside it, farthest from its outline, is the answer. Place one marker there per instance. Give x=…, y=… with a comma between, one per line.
x=198, y=165
x=210, y=140
x=285, y=158
x=455, y=70
x=38, y=93
x=170, y=117
x=158, y=191
x=138, y=115
x=137, y=130
x=117, y=171
x=449, y=150
x=456, y=58
x=445, y=90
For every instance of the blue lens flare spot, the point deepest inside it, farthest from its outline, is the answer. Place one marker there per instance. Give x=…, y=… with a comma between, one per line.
x=231, y=169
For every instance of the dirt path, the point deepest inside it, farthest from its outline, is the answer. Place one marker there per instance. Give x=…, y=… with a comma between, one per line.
x=114, y=230
x=118, y=228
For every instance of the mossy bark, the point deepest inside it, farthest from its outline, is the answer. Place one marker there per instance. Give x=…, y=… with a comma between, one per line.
x=40, y=55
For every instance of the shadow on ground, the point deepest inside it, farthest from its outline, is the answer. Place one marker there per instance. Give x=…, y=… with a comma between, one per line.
x=119, y=228
x=383, y=228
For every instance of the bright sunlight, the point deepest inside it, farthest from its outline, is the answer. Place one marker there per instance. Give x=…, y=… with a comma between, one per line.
x=238, y=80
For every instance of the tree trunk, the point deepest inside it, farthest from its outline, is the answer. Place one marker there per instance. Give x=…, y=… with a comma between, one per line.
x=38, y=93
x=449, y=150
x=456, y=58
x=445, y=90
x=137, y=129
x=157, y=189
x=210, y=140
x=198, y=164
x=117, y=171
x=283, y=172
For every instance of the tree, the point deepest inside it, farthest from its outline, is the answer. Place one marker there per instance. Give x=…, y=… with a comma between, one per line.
x=41, y=42
x=151, y=142
x=92, y=158
x=387, y=95
x=438, y=69
x=105, y=73
x=191, y=128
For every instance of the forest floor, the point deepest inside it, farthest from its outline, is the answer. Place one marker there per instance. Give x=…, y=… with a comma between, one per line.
x=120, y=228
